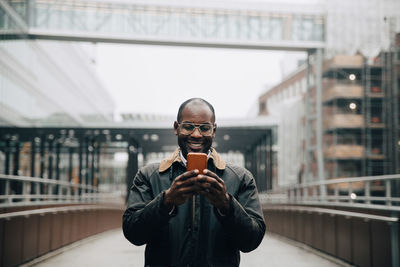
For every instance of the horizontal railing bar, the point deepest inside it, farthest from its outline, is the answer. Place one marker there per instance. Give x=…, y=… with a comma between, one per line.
x=392, y=199
x=344, y=180
x=45, y=181
x=85, y=195
x=342, y=204
x=52, y=202
x=57, y=210
x=336, y=212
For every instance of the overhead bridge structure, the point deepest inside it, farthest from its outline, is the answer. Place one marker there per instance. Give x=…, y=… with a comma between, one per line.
x=216, y=24
x=213, y=24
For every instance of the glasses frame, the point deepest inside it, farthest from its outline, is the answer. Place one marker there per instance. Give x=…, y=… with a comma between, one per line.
x=197, y=126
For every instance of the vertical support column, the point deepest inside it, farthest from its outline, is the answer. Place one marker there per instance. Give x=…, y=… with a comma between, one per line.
x=132, y=167
x=366, y=111
x=7, y=150
x=16, y=186
x=33, y=165
x=263, y=163
x=42, y=159
x=87, y=152
x=307, y=132
x=58, y=151
x=396, y=120
x=258, y=163
x=98, y=152
x=318, y=85
x=70, y=189
x=33, y=158
x=16, y=158
x=70, y=168
x=80, y=165
x=270, y=160
x=255, y=163
x=50, y=157
x=92, y=164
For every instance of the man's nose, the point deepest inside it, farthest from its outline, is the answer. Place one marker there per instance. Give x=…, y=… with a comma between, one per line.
x=196, y=132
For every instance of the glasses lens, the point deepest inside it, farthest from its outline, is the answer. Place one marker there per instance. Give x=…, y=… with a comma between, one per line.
x=205, y=128
x=188, y=128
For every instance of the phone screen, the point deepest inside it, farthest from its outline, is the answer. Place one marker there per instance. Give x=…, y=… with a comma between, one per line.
x=196, y=161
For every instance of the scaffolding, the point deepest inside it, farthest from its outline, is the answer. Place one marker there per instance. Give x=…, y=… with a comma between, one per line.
x=360, y=112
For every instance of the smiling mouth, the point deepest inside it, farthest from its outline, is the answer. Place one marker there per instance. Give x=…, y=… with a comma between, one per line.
x=195, y=146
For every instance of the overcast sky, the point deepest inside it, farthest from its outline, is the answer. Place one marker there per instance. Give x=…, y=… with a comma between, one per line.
x=157, y=79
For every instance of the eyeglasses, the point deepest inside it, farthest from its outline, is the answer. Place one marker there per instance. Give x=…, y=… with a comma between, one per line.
x=188, y=128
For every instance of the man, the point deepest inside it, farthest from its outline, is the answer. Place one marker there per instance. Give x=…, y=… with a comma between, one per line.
x=187, y=218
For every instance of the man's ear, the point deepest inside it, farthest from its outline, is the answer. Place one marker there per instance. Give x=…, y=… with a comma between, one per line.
x=214, y=130
x=176, y=125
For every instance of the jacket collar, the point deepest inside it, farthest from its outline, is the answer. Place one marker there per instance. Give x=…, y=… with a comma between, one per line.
x=175, y=157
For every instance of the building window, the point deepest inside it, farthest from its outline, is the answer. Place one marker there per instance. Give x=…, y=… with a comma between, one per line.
x=262, y=107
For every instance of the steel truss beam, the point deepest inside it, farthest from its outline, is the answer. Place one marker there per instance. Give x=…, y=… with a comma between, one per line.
x=100, y=21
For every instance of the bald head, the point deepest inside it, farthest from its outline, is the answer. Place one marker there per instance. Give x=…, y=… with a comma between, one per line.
x=194, y=101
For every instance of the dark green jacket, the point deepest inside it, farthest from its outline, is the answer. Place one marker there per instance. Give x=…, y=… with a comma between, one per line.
x=186, y=238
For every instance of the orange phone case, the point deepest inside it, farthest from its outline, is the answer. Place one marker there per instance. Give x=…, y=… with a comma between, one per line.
x=196, y=161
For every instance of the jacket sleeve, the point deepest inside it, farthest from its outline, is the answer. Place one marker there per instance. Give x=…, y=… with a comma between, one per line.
x=145, y=214
x=244, y=221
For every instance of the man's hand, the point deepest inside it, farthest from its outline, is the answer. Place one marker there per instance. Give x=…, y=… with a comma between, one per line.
x=213, y=187
x=182, y=188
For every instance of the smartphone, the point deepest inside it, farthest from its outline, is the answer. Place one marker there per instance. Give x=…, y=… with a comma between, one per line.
x=196, y=161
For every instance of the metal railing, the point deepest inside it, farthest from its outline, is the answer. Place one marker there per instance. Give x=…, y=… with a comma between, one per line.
x=27, y=213
x=25, y=190
x=373, y=192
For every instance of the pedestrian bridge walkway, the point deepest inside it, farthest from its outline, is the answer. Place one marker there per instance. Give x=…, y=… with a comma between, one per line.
x=112, y=249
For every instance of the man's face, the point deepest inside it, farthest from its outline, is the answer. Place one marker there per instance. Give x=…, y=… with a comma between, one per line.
x=197, y=114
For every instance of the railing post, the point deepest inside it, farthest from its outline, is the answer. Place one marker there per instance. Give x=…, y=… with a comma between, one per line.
x=368, y=192
x=69, y=190
x=7, y=190
x=388, y=193
x=336, y=193
x=351, y=200
x=60, y=188
x=305, y=192
x=24, y=189
x=37, y=191
x=50, y=191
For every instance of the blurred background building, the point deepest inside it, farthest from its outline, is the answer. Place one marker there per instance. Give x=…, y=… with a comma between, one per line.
x=360, y=99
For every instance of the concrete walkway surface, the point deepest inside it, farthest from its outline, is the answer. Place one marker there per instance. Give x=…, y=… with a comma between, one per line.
x=112, y=249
